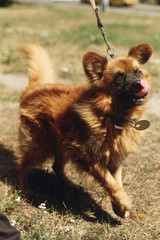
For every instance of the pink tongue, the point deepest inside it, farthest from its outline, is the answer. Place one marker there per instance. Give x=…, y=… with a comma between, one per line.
x=145, y=89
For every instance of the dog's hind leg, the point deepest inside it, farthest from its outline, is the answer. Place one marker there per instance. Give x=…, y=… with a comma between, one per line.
x=28, y=161
x=59, y=169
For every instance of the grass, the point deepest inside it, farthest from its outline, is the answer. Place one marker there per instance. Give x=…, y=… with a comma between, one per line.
x=66, y=36
x=118, y=33
x=82, y=214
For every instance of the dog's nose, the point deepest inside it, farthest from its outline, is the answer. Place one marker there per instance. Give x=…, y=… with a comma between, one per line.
x=141, y=88
x=137, y=87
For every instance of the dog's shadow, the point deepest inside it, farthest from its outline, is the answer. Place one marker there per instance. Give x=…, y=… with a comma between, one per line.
x=47, y=188
x=8, y=166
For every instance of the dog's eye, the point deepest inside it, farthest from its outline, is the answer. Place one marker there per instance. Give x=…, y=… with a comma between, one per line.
x=119, y=80
x=138, y=73
x=119, y=77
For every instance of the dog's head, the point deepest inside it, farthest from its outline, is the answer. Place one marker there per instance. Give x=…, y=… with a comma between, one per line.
x=123, y=77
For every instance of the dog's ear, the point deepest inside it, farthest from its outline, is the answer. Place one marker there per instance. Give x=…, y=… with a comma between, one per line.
x=141, y=52
x=94, y=65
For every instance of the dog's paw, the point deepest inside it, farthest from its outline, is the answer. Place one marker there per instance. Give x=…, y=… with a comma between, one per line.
x=121, y=212
x=122, y=205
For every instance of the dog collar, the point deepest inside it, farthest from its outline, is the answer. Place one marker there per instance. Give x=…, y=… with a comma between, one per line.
x=138, y=125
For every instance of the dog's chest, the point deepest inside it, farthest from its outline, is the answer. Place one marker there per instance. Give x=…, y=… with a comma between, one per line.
x=107, y=141
x=92, y=137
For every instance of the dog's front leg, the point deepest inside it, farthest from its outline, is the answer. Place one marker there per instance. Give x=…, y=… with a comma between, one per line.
x=116, y=172
x=120, y=201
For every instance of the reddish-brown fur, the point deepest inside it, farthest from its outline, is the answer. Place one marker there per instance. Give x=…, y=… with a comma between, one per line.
x=77, y=123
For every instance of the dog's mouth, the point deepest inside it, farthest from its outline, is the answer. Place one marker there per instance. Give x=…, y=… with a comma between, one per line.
x=143, y=90
x=136, y=95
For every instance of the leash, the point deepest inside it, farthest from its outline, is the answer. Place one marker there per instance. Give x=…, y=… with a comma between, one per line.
x=110, y=50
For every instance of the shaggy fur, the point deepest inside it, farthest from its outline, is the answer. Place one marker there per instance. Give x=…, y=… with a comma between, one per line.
x=78, y=123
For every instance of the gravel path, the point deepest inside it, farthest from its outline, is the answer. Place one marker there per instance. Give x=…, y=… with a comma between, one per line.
x=19, y=82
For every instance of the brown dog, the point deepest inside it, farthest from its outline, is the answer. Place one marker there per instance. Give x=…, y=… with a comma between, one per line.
x=88, y=124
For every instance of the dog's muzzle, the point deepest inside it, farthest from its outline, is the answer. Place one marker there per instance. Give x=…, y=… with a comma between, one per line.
x=140, y=91
x=141, y=88
x=134, y=93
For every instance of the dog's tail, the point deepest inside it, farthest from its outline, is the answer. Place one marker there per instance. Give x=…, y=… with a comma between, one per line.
x=39, y=65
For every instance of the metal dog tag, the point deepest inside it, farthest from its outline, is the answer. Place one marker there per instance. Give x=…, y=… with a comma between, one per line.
x=142, y=124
